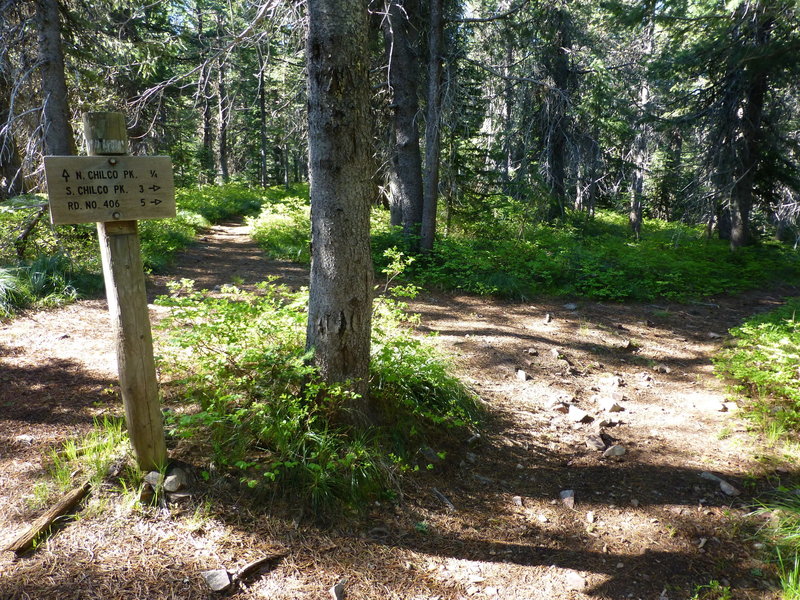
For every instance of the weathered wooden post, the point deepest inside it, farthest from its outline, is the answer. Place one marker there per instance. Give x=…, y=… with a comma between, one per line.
x=113, y=189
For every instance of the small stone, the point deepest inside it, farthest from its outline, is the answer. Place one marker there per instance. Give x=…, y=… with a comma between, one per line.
x=614, y=381
x=578, y=416
x=662, y=368
x=543, y=519
x=533, y=352
x=590, y=517
x=615, y=450
x=730, y=406
x=610, y=405
x=517, y=500
x=575, y=581
x=555, y=353
x=728, y=489
x=713, y=335
x=548, y=317
x=521, y=375
x=474, y=439
x=154, y=478
x=595, y=442
x=337, y=591
x=24, y=439
x=634, y=503
x=559, y=406
x=217, y=579
x=176, y=481
x=471, y=457
x=567, y=498
x=571, y=306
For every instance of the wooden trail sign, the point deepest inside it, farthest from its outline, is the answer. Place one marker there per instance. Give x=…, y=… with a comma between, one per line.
x=122, y=260
x=91, y=189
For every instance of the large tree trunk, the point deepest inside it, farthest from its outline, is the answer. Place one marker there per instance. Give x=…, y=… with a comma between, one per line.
x=57, y=129
x=749, y=140
x=556, y=111
x=262, y=120
x=640, y=154
x=432, y=124
x=204, y=98
x=223, y=109
x=340, y=300
x=405, y=167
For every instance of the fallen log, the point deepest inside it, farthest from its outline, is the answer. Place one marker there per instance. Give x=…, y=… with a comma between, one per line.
x=40, y=526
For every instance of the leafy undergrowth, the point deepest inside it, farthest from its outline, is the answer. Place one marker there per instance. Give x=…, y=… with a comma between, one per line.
x=62, y=263
x=584, y=257
x=242, y=384
x=764, y=363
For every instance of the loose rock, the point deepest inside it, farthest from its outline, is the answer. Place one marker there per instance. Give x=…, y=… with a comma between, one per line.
x=595, y=442
x=521, y=375
x=571, y=306
x=579, y=416
x=575, y=581
x=337, y=591
x=615, y=450
x=154, y=478
x=217, y=579
x=176, y=481
x=610, y=405
x=662, y=368
x=567, y=498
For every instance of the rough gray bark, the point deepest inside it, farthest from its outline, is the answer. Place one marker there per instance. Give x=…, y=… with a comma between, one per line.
x=223, y=110
x=556, y=110
x=640, y=154
x=405, y=167
x=262, y=120
x=57, y=129
x=340, y=290
x=749, y=142
x=432, y=125
x=204, y=99
x=12, y=181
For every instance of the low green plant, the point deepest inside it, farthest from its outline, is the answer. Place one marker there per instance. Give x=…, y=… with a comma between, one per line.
x=714, y=590
x=239, y=358
x=283, y=230
x=764, y=363
x=91, y=455
x=789, y=576
x=582, y=257
x=62, y=263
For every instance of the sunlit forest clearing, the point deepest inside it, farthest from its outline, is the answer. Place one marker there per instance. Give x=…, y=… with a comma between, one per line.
x=459, y=300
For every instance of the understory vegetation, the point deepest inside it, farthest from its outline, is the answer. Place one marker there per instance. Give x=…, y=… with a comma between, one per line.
x=589, y=257
x=50, y=266
x=242, y=380
x=762, y=363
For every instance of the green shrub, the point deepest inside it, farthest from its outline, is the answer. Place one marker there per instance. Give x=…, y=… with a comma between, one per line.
x=62, y=263
x=283, y=230
x=241, y=359
x=765, y=363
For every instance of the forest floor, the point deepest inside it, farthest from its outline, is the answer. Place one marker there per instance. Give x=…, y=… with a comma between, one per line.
x=644, y=524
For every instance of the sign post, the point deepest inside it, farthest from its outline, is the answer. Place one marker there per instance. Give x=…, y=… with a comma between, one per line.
x=114, y=190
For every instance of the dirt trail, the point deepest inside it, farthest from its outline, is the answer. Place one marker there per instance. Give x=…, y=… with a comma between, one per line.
x=644, y=524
